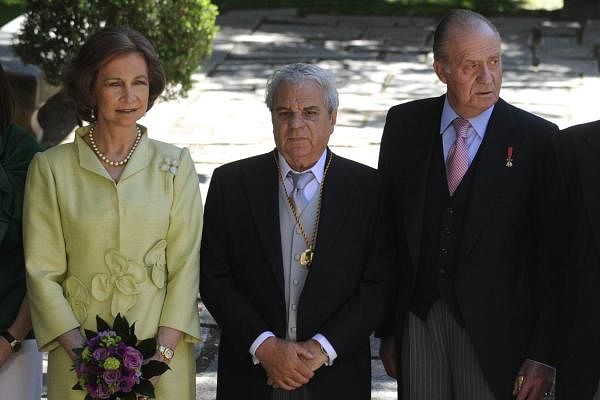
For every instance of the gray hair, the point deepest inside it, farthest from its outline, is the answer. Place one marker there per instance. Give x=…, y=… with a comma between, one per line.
x=298, y=73
x=456, y=19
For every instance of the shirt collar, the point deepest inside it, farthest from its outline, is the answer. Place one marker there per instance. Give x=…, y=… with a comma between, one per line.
x=478, y=123
x=318, y=169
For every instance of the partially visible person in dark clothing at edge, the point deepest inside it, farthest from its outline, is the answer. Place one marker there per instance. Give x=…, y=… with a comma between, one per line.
x=20, y=361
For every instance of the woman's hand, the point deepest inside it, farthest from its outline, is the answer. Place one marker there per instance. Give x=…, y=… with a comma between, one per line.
x=167, y=337
x=70, y=340
x=19, y=329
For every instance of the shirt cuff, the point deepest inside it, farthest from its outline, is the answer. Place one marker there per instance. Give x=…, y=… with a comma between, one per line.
x=327, y=347
x=259, y=340
x=541, y=363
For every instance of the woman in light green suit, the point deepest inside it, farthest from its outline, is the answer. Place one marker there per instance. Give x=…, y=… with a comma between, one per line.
x=112, y=221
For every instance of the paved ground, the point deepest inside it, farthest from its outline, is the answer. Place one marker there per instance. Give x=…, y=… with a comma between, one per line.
x=379, y=62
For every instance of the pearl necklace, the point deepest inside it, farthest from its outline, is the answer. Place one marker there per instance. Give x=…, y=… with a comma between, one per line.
x=104, y=158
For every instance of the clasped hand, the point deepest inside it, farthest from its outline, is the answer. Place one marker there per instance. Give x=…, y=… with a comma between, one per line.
x=534, y=381
x=289, y=365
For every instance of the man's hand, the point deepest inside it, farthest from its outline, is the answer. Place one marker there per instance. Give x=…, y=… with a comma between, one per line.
x=283, y=361
x=533, y=381
x=389, y=356
x=319, y=359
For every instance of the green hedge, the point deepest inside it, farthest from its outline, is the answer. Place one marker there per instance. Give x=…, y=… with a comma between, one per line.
x=182, y=32
x=385, y=7
x=10, y=9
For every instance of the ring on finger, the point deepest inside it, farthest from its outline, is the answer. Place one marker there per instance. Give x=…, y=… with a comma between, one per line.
x=520, y=380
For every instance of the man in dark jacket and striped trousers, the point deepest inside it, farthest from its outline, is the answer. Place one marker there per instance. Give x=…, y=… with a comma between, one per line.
x=470, y=178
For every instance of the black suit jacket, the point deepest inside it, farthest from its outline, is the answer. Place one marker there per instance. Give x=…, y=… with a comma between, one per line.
x=345, y=292
x=504, y=268
x=579, y=344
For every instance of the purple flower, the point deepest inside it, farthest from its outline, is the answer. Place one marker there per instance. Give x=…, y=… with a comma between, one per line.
x=121, y=347
x=99, y=391
x=127, y=382
x=129, y=378
x=111, y=376
x=93, y=342
x=132, y=358
x=81, y=368
x=92, y=369
x=100, y=354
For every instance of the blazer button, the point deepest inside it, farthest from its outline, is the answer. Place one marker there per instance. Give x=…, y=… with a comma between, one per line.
x=295, y=282
x=447, y=230
x=297, y=257
x=297, y=230
x=293, y=329
x=294, y=307
x=450, y=210
x=443, y=252
x=442, y=271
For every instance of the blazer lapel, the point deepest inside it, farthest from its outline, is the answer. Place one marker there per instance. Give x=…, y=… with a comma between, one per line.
x=262, y=186
x=88, y=160
x=140, y=158
x=492, y=173
x=588, y=165
x=422, y=140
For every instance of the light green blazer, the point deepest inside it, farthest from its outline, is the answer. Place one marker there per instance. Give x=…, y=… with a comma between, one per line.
x=96, y=247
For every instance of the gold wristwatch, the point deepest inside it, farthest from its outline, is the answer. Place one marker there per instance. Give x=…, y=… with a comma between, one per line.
x=166, y=353
x=325, y=354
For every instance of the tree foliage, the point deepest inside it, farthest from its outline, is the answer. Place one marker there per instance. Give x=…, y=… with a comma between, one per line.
x=181, y=31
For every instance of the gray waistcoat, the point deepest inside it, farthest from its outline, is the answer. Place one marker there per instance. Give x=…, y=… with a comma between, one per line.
x=292, y=245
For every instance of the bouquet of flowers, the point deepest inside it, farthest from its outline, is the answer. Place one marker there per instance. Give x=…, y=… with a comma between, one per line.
x=112, y=364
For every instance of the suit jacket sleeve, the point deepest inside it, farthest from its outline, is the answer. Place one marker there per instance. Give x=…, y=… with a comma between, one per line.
x=180, y=309
x=392, y=202
x=45, y=256
x=544, y=211
x=364, y=310
x=228, y=304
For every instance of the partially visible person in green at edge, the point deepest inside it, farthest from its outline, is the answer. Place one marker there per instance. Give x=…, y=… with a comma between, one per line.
x=20, y=361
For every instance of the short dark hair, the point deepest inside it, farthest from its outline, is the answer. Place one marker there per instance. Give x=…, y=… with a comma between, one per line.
x=80, y=74
x=7, y=101
x=455, y=18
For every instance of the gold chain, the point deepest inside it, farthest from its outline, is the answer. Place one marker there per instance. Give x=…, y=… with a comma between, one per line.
x=309, y=243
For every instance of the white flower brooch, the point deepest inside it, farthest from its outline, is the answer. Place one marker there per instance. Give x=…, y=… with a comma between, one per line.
x=170, y=165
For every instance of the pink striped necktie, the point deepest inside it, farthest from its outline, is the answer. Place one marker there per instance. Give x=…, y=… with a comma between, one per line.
x=458, y=156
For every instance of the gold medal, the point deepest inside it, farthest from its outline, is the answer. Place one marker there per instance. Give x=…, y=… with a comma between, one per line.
x=306, y=257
